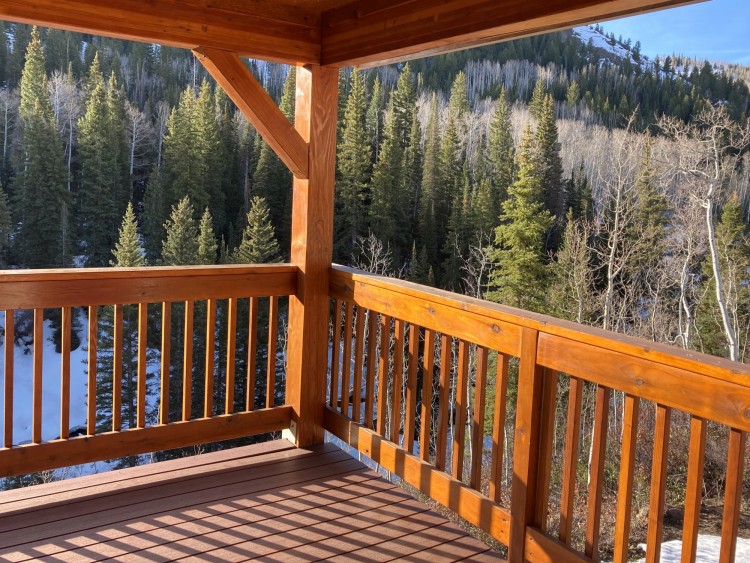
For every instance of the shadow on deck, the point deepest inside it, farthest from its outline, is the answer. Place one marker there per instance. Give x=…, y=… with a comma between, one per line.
x=271, y=502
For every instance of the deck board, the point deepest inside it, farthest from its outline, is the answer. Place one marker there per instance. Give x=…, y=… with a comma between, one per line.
x=268, y=502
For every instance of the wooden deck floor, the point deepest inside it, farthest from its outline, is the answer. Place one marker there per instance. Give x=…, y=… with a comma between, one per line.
x=270, y=502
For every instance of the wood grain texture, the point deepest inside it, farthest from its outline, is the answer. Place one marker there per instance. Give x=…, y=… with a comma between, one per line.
x=498, y=428
x=398, y=380
x=427, y=384
x=477, y=418
x=252, y=350
x=231, y=355
x=350, y=282
x=541, y=548
x=694, y=489
x=526, y=446
x=250, y=28
x=460, y=408
x=165, y=361
x=658, y=483
x=359, y=348
x=446, y=343
x=596, y=472
x=462, y=499
x=231, y=73
x=316, y=111
x=383, y=363
x=334, y=395
x=187, y=361
x=357, y=34
x=546, y=443
x=141, y=384
x=36, y=394
x=8, y=375
x=65, y=337
x=208, y=373
x=93, y=336
x=733, y=495
x=273, y=337
x=110, y=445
x=30, y=289
x=117, y=364
x=625, y=485
x=570, y=459
x=372, y=343
x=346, y=359
x=410, y=406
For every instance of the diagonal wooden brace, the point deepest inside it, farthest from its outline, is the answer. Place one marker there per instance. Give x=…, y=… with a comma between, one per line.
x=244, y=90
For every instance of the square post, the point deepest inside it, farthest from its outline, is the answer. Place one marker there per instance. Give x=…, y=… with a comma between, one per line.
x=312, y=251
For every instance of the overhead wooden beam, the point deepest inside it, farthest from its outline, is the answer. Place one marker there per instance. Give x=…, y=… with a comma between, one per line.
x=261, y=28
x=373, y=32
x=259, y=108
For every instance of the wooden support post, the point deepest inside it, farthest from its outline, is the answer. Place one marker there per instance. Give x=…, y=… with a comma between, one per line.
x=312, y=251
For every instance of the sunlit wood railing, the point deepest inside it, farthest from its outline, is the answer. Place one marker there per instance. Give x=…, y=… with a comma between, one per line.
x=408, y=388
x=141, y=309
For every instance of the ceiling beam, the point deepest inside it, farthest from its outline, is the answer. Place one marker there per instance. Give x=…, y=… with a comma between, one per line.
x=374, y=32
x=260, y=29
x=258, y=107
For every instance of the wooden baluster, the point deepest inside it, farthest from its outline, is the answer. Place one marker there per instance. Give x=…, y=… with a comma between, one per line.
x=358, y=358
x=627, y=470
x=385, y=349
x=732, y=495
x=693, y=489
x=10, y=346
x=273, y=332
x=596, y=484
x=166, y=347
x=187, y=364
x=410, y=408
x=427, y=375
x=398, y=380
x=658, y=484
x=526, y=445
x=346, y=360
x=546, y=441
x=570, y=459
x=117, y=370
x=142, y=364
x=441, y=444
x=93, y=335
x=498, y=427
x=231, y=354
x=208, y=386
x=335, y=356
x=252, y=350
x=65, y=373
x=477, y=430
x=372, y=343
x=459, y=430
x=36, y=424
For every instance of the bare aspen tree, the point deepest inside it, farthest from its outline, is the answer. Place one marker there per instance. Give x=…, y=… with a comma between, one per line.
x=707, y=156
x=140, y=137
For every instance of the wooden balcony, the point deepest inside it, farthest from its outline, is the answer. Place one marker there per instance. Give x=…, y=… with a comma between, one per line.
x=407, y=384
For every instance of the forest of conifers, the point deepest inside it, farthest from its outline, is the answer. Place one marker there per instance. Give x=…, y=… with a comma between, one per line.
x=544, y=173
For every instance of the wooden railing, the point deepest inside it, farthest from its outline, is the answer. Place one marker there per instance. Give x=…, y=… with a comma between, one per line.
x=409, y=376
x=138, y=311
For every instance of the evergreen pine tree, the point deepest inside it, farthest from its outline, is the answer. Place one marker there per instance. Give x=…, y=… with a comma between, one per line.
x=519, y=277
x=549, y=170
x=375, y=117
x=6, y=228
x=207, y=246
x=128, y=251
x=536, y=105
x=430, y=189
x=500, y=156
x=258, y=245
x=181, y=245
x=41, y=196
x=354, y=160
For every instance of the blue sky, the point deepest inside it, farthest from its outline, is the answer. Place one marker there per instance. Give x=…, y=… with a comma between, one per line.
x=716, y=30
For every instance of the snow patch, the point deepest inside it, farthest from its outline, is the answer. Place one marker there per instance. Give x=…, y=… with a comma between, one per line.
x=709, y=548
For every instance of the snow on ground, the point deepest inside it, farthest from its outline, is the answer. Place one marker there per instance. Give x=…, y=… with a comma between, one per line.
x=51, y=367
x=708, y=550
x=599, y=40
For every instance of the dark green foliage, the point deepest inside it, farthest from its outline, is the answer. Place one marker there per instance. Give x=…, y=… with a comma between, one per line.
x=258, y=245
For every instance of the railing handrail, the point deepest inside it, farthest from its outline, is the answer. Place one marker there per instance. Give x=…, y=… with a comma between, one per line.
x=665, y=354
x=37, y=289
